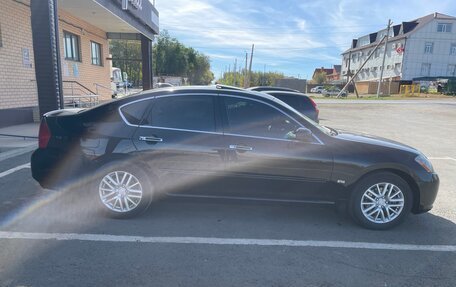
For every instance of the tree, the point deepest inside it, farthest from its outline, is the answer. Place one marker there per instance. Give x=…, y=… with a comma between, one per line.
x=126, y=55
x=256, y=78
x=319, y=78
x=172, y=58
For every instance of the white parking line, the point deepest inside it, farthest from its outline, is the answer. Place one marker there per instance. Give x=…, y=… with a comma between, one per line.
x=14, y=169
x=442, y=158
x=224, y=241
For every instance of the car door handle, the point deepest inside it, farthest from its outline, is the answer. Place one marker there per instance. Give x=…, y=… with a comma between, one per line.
x=240, y=147
x=151, y=139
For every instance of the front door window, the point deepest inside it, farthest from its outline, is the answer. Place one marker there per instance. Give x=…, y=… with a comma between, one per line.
x=253, y=118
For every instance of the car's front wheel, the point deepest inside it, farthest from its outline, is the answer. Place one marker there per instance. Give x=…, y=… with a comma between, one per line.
x=380, y=201
x=123, y=190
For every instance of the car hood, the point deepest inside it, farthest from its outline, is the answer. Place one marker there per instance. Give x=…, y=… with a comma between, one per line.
x=374, y=140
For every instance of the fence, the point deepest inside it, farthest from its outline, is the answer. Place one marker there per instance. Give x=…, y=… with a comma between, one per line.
x=410, y=90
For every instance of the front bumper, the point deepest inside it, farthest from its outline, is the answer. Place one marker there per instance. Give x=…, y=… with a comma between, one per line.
x=428, y=189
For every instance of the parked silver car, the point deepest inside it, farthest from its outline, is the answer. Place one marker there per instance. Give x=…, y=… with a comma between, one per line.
x=334, y=91
x=317, y=89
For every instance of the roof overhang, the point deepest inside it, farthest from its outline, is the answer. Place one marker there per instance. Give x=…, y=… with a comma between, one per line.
x=110, y=15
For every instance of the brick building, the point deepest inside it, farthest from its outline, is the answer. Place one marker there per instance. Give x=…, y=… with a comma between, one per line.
x=78, y=63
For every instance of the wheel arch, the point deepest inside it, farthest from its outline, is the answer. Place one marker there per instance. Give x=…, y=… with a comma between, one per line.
x=129, y=159
x=121, y=158
x=402, y=174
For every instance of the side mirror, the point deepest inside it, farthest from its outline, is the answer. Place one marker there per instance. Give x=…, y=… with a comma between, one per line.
x=303, y=134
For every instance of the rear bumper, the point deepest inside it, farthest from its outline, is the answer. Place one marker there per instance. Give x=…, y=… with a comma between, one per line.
x=42, y=165
x=53, y=168
x=428, y=192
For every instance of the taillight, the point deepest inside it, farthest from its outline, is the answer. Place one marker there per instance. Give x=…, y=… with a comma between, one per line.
x=314, y=105
x=44, y=135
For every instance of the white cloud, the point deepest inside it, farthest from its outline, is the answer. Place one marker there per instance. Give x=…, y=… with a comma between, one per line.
x=292, y=35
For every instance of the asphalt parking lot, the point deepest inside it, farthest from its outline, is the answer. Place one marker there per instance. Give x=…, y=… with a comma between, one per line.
x=56, y=239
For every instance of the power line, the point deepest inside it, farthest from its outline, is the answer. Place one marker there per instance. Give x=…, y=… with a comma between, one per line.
x=299, y=32
x=177, y=25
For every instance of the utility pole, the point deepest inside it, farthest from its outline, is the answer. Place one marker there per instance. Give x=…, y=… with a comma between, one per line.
x=384, y=58
x=349, y=63
x=250, y=66
x=263, y=82
x=353, y=77
x=235, y=71
x=245, y=70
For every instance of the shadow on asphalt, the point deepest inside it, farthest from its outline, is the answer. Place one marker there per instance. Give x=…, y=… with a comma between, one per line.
x=76, y=212
x=49, y=263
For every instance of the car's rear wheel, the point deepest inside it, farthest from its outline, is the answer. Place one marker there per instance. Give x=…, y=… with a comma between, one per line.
x=380, y=201
x=123, y=190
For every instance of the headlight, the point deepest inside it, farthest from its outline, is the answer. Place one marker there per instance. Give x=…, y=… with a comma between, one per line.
x=425, y=163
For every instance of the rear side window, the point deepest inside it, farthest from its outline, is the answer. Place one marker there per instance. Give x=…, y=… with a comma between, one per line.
x=299, y=103
x=133, y=113
x=183, y=112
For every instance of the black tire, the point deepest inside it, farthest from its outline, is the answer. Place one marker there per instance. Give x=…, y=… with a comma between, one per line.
x=371, y=181
x=138, y=174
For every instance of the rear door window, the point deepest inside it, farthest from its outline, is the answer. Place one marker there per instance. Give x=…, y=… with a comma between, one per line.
x=183, y=112
x=133, y=113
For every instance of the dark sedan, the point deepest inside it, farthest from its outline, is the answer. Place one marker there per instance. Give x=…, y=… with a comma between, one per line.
x=271, y=88
x=299, y=101
x=242, y=144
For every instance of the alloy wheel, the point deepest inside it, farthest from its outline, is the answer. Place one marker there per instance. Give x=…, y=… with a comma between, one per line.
x=382, y=202
x=120, y=191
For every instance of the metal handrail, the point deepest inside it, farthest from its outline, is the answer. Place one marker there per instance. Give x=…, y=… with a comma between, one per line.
x=81, y=101
x=102, y=86
x=81, y=85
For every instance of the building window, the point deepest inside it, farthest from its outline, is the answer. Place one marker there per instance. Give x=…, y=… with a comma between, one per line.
x=428, y=48
x=363, y=42
x=397, y=66
x=96, y=53
x=451, y=71
x=71, y=47
x=444, y=27
x=1, y=42
x=453, y=49
x=425, y=69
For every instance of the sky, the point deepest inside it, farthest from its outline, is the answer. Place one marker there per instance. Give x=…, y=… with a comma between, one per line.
x=290, y=36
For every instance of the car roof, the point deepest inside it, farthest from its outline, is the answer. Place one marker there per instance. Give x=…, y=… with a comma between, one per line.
x=298, y=94
x=195, y=89
x=270, y=88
